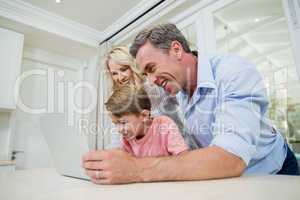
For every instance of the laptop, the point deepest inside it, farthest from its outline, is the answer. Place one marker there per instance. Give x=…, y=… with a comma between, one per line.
x=66, y=144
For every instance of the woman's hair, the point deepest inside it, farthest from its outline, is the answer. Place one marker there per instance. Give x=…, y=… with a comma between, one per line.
x=128, y=99
x=120, y=55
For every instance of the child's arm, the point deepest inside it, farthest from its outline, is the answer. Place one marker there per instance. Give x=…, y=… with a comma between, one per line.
x=175, y=142
x=125, y=146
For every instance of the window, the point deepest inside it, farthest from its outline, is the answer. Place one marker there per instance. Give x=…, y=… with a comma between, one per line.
x=258, y=31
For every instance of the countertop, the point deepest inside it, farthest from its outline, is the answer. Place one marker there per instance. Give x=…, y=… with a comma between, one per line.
x=6, y=162
x=46, y=184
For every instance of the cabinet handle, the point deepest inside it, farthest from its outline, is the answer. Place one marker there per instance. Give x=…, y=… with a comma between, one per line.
x=14, y=153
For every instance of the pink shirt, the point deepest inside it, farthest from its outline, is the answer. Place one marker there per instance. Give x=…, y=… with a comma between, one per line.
x=163, y=138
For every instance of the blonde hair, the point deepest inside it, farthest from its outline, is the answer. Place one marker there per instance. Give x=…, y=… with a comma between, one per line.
x=128, y=99
x=120, y=55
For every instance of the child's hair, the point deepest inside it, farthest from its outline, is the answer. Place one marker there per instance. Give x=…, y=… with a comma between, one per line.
x=128, y=99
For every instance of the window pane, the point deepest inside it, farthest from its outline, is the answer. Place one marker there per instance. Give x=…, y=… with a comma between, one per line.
x=257, y=30
x=191, y=35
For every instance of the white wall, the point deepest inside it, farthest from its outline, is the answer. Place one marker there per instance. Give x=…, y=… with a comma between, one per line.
x=97, y=76
x=34, y=93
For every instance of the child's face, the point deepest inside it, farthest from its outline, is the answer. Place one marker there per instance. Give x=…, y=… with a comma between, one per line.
x=131, y=126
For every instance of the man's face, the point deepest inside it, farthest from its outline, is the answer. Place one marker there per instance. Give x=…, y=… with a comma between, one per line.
x=162, y=67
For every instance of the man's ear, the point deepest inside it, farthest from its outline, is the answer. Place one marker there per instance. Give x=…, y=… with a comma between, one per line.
x=176, y=49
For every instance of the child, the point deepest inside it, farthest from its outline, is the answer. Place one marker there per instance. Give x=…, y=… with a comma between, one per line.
x=143, y=135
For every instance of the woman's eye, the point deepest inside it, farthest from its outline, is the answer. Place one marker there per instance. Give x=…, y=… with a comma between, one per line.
x=124, y=69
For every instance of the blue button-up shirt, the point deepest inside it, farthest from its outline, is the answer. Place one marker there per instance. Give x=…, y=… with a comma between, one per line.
x=228, y=110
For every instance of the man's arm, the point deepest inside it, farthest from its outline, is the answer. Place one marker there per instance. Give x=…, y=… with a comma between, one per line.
x=120, y=167
x=206, y=163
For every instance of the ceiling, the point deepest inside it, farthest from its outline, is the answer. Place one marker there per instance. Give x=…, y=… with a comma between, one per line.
x=47, y=24
x=165, y=18
x=44, y=40
x=97, y=14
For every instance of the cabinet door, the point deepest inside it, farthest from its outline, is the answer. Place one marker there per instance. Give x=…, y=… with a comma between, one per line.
x=7, y=169
x=10, y=62
x=5, y=135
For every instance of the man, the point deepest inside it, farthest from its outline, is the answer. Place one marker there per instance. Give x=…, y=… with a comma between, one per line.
x=224, y=102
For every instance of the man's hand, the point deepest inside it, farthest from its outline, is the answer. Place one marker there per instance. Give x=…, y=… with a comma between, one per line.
x=110, y=167
x=116, y=166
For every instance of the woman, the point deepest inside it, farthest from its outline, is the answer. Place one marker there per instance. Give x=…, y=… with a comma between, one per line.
x=122, y=69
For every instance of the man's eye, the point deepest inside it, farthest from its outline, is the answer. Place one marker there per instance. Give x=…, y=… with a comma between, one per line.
x=151, y=70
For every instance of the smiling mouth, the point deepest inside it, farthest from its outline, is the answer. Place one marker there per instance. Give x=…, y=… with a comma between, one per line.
x=124, y=81
x=164, y=83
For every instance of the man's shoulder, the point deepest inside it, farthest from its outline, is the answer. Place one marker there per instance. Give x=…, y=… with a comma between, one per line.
x=228, y=65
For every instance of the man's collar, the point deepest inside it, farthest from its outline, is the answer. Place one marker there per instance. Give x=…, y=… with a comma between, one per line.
x=205, y=77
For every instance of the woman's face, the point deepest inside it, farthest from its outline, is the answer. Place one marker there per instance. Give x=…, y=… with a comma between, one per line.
x=120, y=74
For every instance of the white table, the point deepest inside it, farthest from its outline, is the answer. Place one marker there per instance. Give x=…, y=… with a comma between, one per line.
x=46, y=184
